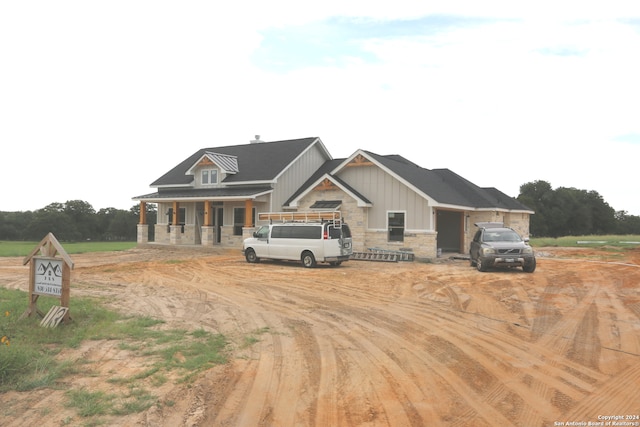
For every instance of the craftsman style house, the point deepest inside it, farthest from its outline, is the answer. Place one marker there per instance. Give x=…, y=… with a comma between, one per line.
x=213, y=198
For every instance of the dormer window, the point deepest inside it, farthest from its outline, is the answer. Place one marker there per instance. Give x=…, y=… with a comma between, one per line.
x=209, y=176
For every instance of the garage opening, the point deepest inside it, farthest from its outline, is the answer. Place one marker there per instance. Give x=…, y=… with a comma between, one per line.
x=449, y=226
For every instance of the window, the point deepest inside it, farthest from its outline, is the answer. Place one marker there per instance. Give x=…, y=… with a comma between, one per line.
x=238, y=220
x=395, y=222
x=296, y=232
x=182, y=214
x=209, y=176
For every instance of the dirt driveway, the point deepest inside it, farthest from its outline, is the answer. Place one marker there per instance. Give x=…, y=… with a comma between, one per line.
x=370, y=343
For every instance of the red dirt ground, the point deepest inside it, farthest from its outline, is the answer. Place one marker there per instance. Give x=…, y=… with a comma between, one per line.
x=367, y=343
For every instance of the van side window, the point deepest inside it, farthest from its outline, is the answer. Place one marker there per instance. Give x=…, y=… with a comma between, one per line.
x=296, y=232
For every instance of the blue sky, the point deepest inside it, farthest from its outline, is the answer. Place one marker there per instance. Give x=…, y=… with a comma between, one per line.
x=97, y=100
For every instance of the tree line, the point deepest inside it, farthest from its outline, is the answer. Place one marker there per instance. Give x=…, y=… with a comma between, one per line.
x=573, y=212
x=558, y=212
x=74, y=221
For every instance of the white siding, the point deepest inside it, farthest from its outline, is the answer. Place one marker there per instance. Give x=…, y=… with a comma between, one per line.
x=296, y=175
x=386, y=193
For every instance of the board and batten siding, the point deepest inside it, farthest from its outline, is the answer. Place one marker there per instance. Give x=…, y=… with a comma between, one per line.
x=296, y=175
x=387, y=193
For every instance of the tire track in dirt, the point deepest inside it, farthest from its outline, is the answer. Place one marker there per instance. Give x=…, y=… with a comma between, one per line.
x=404, y=344
x=510, y=396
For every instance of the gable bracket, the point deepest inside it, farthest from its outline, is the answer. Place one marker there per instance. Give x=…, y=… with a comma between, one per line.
x=360, y=160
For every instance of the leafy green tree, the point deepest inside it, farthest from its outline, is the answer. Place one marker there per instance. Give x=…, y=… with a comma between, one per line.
x=45, y=221
x=538, y=196
x=627, y=224
x=83, y=216
x=13, y=224
x=566, y=211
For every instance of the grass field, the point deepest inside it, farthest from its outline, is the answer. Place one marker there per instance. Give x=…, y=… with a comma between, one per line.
x=25, y=248
x=28, y=353
x=588, y=241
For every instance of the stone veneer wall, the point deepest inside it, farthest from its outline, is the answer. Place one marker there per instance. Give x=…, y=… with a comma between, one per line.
x=228, y=240
x=161, y=234
x=422, y=244
x=353, y=215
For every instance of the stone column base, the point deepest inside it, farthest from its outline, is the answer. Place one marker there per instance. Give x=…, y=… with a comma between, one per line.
x=208, y=235
x=175, y=234
x=143, y=233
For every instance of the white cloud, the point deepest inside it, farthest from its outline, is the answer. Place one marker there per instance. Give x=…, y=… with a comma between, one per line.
x=107, y=97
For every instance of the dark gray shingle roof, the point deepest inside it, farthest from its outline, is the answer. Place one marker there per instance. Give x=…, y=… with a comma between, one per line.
x=256, y=162
x=447, y=187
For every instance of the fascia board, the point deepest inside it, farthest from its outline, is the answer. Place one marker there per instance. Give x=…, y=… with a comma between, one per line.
x=430, y=199
x=313, y=144
x=173, y=186
x=347, y=161
x=472, y=209
x=201, y=199
x=191, y=170
x=361, y=203
x=235, y=184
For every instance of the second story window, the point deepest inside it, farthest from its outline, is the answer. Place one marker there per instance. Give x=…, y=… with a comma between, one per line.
x=209, y=176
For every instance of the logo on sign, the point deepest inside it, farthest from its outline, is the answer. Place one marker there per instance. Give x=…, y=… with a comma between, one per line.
x=48, y=277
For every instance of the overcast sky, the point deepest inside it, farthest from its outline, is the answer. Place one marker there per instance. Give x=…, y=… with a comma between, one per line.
x=98, y=99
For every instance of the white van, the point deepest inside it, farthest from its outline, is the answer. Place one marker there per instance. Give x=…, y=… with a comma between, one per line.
x=307, y=241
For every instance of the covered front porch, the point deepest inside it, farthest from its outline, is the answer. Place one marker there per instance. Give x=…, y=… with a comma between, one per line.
x=222, y=223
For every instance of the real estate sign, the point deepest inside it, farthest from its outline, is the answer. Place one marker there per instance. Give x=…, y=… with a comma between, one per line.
x=48, y=276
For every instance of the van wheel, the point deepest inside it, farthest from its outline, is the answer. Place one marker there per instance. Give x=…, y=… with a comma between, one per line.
x=308, y=260
x=250, y=256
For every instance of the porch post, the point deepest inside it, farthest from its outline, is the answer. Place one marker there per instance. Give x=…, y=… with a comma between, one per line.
x=248, y=213
x=143, y=227
x=143, y=212
x=176, y=213
x=175, y=229
x=208, y=235
x=208, y=214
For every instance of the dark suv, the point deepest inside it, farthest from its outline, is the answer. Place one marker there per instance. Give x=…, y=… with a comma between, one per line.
x=495, y=245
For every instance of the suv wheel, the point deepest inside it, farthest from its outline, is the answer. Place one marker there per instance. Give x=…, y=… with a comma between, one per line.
x=471, y=261
x=530, y=267
x=480, y=265
x=308, y=260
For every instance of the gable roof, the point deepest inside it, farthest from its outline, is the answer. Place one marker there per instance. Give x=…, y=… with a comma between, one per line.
x=256, y=163
x=443, y=186
x=324, y=172
x=228, y=164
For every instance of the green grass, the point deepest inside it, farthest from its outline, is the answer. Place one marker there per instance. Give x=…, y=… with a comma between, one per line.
x=629, y=241
x=25, y=248
x=29, y=360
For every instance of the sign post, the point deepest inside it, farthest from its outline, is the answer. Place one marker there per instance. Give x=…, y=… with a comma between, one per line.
x=49, y=274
